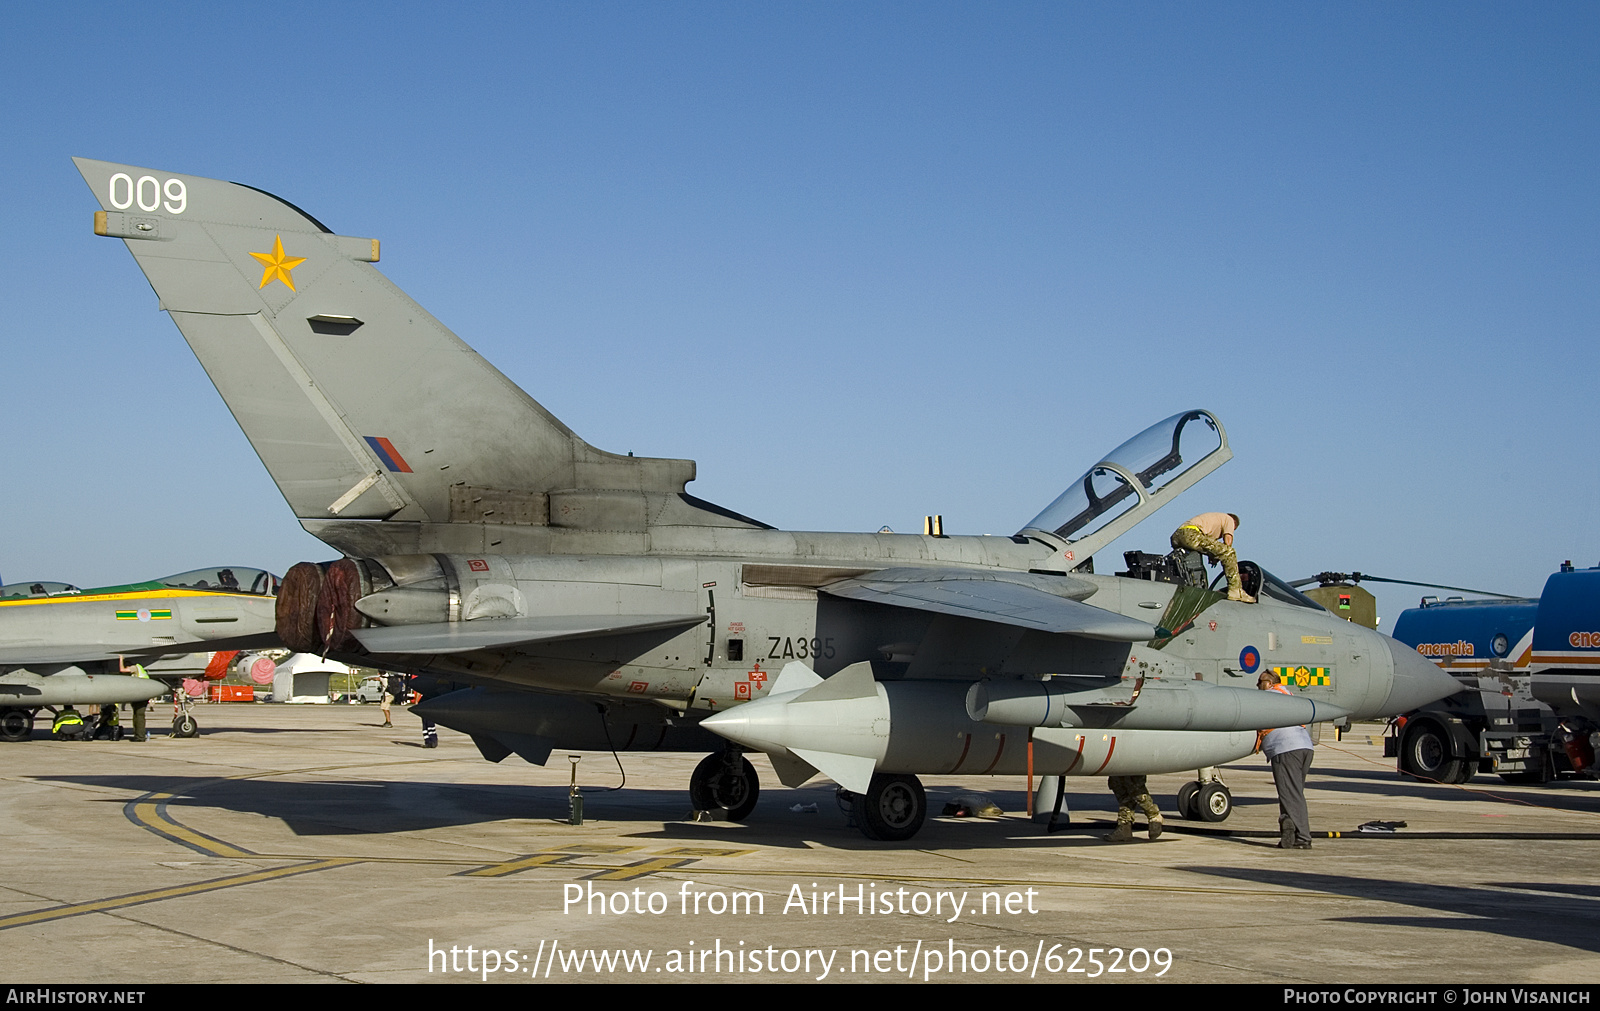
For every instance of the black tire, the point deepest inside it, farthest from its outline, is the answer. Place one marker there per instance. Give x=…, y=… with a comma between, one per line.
x=1428, y=753
x=1214, y=802
x=1187, y=806
x=16, y=724
x=893, y=808
x=185, y=726
x=715, y=785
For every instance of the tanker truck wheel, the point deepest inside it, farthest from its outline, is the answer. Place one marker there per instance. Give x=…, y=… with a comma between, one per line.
x=16, y=724
x=1427, y=753
x=720, y=782
x=1215, y=802
x=893, y=808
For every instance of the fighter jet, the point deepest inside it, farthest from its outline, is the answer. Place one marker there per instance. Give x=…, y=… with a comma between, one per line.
x=593, y=603
x=61, y=645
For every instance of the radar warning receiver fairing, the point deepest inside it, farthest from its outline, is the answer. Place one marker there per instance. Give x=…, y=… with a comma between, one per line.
x=594, y=603
x=61, y=645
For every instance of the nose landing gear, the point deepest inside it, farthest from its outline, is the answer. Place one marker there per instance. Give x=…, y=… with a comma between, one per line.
x=725, y=781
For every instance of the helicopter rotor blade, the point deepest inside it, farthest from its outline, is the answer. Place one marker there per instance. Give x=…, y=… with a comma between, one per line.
x=1330, y=578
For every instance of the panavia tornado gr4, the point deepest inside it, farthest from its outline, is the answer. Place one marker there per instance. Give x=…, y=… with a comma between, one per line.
x=593, y=603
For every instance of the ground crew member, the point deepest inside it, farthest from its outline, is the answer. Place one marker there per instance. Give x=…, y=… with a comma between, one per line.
x=393, y=688
x=138, y=671
x=1211, y=534
x=1289, y=749
x=108, y=727
x=68, y=725
x=1132, y=793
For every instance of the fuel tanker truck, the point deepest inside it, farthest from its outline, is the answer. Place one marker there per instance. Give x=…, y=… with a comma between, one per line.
x=1529, y=708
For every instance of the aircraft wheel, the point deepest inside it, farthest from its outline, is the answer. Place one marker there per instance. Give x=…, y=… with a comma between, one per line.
x=185, y=726
x=1427, y=753
x=1215, y=802
x=16, y=724
x=1187, y=807
x=718, y=782
x=893, y=808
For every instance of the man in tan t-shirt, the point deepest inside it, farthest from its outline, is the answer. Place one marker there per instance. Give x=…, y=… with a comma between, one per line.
x=1211, y=534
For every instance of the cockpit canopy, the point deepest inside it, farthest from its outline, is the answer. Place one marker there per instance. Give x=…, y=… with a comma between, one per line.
x=230, y=580
x=1258, y=582
x=37, y=589
x=1135, y=479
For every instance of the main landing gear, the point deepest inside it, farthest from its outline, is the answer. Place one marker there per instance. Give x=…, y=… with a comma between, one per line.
x=725, y=781
x=16, y=724
x=893, y=808
x=1205, y=799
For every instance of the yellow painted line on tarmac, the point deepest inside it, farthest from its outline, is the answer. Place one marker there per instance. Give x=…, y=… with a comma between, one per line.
x=150, y=812
x=701, y=851
x=638, y=869
x=159, y=894
x=519, y=864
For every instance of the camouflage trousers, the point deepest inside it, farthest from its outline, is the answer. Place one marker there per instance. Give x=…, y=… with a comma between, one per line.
x=1132, y=793
x=1194, y=539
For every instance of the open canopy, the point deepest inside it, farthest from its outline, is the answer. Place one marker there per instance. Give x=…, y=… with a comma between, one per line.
x=1135, y=479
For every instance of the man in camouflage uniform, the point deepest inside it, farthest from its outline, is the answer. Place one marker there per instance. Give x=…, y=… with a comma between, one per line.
x=1211, y=534
x=1132, y=793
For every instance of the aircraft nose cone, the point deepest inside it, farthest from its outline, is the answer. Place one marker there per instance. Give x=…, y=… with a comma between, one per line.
x=1416, y=681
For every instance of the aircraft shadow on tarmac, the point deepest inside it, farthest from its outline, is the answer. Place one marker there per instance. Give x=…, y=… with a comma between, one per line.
x=1565, y=915
x=1568, y=795
x=336, y=807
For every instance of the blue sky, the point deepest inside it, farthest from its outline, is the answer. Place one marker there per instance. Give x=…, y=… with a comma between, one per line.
x=862, y=261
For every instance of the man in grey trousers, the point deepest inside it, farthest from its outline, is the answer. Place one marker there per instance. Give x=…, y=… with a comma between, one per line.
x=1289, y=749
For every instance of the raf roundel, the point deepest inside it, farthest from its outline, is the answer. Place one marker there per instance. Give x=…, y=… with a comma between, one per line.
x=1249, y=659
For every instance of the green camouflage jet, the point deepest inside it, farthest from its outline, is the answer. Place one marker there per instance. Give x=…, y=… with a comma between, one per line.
x=594, y=603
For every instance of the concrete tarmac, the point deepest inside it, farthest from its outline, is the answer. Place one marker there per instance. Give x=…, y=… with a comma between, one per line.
x=310, y=844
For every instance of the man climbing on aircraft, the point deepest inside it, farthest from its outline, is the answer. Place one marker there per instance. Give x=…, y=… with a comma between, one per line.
x=1211, y=534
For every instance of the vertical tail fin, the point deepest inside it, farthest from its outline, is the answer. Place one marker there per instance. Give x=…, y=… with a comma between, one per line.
x=360, y=403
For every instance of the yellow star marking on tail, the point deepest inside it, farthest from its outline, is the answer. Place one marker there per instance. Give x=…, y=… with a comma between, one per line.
x=276, y=266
